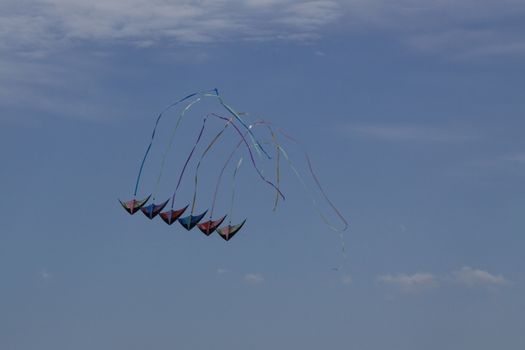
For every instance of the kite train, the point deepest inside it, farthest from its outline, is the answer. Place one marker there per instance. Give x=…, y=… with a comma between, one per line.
x=265, y=148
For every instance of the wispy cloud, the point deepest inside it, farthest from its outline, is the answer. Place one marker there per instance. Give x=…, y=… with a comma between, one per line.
x=474, y=278
x=63, y=87
x=463, y=28
x=407, y=133
x=310, y=14
x=516, y=158
x=36, y=75
x=467, y=43
x=45, y=275
x=253, y=278
x=346, y=280
x=410, y=283
x=423, y=281
x=457, y=29
x=46, y=25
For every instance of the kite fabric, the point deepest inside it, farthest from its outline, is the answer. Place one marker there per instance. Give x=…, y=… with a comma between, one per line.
x=247, y=137
x=134, y=205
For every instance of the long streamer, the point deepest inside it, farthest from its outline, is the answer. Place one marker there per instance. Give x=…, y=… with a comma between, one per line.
x=187, y=161
x=170, y=143
x=155, y=131
x=258, y=146
x=303, y=183
x=251, y=156
x=277, y=169
x=207, y=93
x=307, y=189
x=228, y=160
x=318, y=183
x=230, y=215
x=208, y=148
x=220, y=177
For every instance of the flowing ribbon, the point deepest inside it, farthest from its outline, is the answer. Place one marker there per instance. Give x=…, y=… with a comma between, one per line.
x=207, y=93
x=208, y=148
x=186, y=163
x=308, y=190
x=155, y=131
x=220, y=176
x=251, y=156
x=170, y=143
x=233, y=190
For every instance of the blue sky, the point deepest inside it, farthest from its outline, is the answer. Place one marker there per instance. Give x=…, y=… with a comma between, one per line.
x=412, y=112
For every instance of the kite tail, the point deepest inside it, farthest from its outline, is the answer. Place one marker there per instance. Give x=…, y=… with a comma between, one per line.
x=258, y=146
x=155, y=130
x=301, y=180
x=318, y=184
x=187, y=161
x=146, y=155
x=205, y=93
x=210, y=145
x=334, y=208
x=220, y=177
x=277, y=169
x=251, y=156
x=325, y=196
x=318, y=209
x=168, y=147
x=307, y=189
x=233, y=190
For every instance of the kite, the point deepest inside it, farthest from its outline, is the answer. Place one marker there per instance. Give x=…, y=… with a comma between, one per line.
x=247, y=137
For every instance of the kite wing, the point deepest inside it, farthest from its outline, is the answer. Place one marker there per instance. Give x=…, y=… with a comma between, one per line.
x=210, y=226
x=190, y=221
x=227, y=232
x=132, y=206
x=153, y=209
x=171, y=216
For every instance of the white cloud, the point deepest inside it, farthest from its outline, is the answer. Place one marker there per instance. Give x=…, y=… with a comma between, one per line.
x=467, y=43
x=346, y=280
x=45, y=275
x=310, y=14
x=406, y=133
x=253, y=278
x=422, y=281
x=64, y=87
x=47, y=25
x=221, y=271
x=263, y=3
x=516, y=158
x=388, y=12
x=410, y=283
x=458, y=29
x=474, y=277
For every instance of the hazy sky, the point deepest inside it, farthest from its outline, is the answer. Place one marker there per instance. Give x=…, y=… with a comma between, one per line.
x=412, y=111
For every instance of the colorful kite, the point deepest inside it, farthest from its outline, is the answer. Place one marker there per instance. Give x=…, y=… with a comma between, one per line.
x=245, y=138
